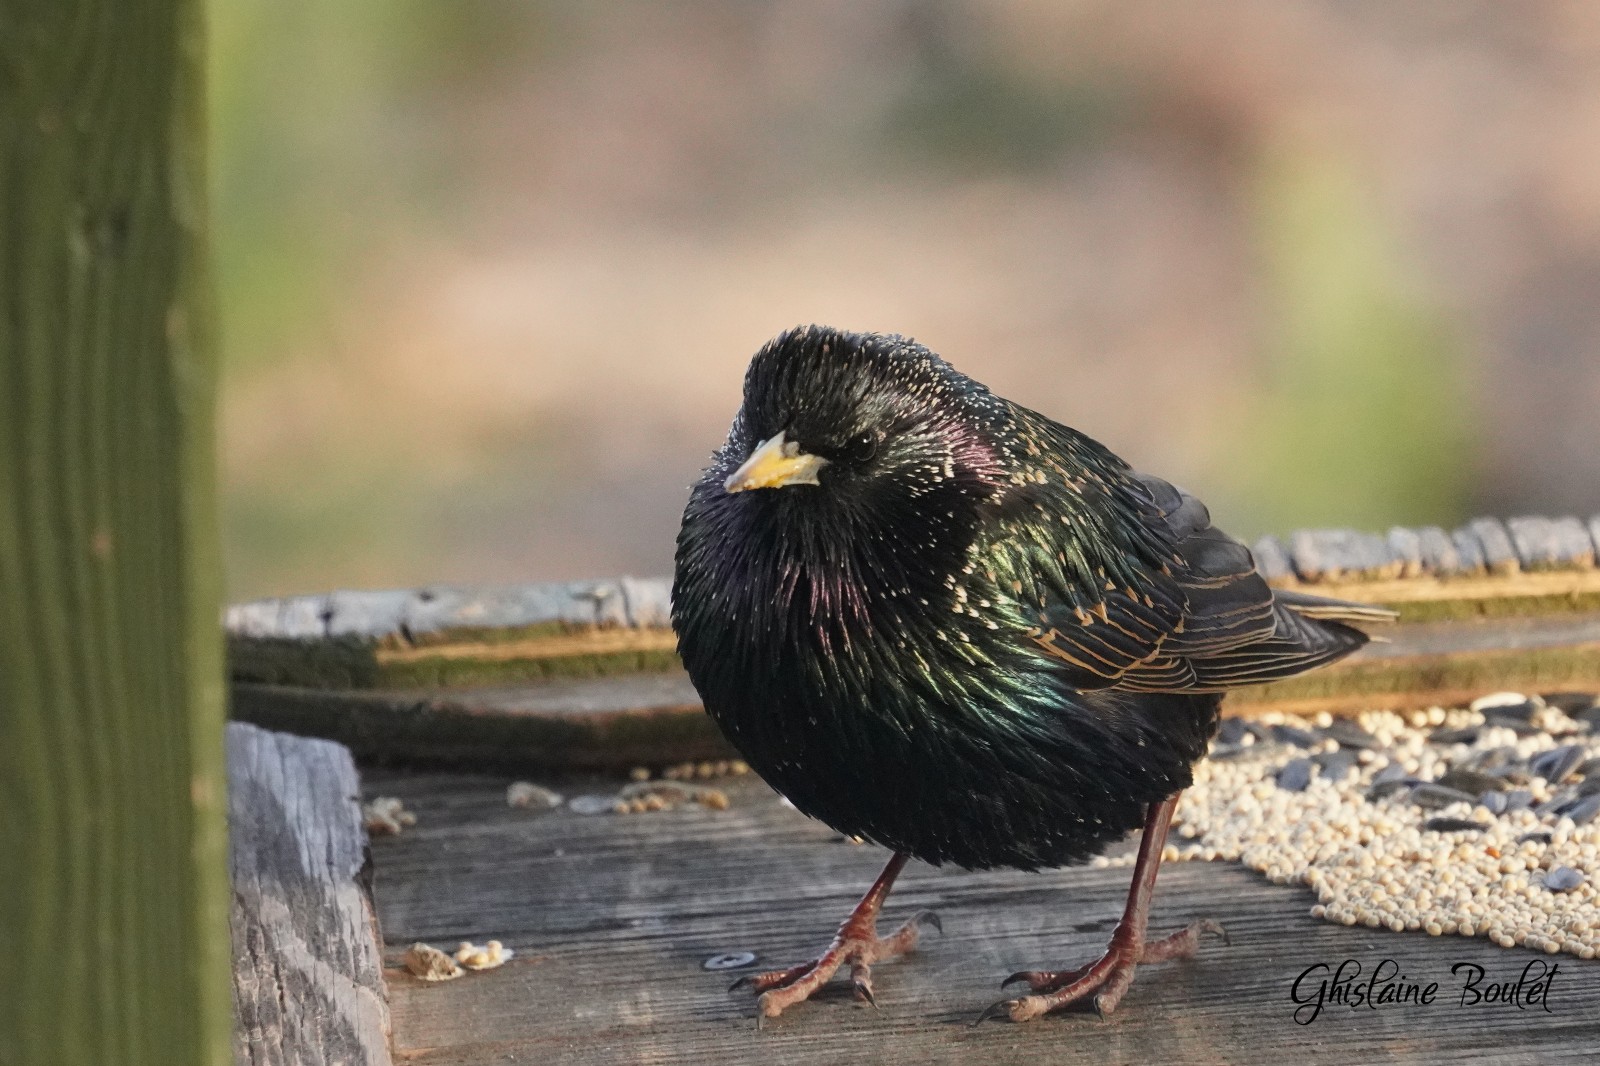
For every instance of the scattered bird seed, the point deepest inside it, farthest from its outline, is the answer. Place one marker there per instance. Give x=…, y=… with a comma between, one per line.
x=431, y=964
x=529, y=795
x=487, y=957
x=386, y=816
x=1295, y=776
x=1563, y=879
x=733, y=960
x=1373, y=858
x=689, y=771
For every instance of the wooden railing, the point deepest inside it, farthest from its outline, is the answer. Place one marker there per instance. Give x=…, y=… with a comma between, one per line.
x=585, y=673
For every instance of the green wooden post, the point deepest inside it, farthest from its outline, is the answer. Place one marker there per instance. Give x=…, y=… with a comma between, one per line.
x=113, y=891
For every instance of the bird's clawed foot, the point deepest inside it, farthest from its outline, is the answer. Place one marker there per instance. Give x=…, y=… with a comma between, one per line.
x=857, y=944
x=1098, y=986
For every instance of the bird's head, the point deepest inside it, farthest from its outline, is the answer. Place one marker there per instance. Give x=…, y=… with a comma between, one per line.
x=852, y=417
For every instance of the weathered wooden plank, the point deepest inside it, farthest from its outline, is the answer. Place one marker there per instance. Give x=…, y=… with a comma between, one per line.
x=609, y=722
x=655, y=719
x=1469, y=551
x=1499, y=554
x=1438, y=551
x=113, y=844
x=1272, y=559
x=1551, y=543
x=308, y=973
x=612, y=918
x=440, y=636
x=1342, y=554
x=1405, y=545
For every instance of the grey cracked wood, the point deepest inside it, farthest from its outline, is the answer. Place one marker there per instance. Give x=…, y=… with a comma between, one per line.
x=613, y=917
x=307, y=975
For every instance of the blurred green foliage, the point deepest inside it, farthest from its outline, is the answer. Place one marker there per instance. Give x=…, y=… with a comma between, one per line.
x=322, y=113
x=1364, y=415
x=341, y=146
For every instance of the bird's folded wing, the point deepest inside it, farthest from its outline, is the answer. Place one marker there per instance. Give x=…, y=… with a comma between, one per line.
x=1204, y=621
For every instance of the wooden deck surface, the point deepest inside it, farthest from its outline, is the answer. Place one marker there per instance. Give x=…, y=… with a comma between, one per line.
x=612, y=917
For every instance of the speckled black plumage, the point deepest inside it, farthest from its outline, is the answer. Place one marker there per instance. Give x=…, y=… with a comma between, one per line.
x=981, y=638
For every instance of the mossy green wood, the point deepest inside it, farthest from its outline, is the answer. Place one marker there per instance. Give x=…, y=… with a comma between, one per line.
x=114, y=914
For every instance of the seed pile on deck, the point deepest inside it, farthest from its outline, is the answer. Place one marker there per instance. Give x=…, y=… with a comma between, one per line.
x=1482, y=821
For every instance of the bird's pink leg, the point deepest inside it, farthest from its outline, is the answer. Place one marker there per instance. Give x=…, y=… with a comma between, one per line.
x=1109, y=976
x=856, y=943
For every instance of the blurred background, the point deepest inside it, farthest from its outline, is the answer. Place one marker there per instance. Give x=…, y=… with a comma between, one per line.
x=491, y=269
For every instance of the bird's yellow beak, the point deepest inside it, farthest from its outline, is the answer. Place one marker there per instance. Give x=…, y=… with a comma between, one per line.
x=774, y=464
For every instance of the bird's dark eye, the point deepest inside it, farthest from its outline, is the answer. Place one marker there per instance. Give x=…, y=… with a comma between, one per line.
x=862, y=448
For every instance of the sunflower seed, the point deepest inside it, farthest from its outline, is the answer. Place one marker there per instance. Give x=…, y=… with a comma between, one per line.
x=1392, y=771
x=1436, y=797
x=1451, y=825
x=1350, y=735
x=1562, y=879
x=1464, y=735
x=1231, y=731
x=1380, y=789
x=1295, y=775
x=1583, y=810
x=1496, y=700
x=1521, y=711
x=1300, y=738
x=1554, y=765
x=1470, y=781
x=1335, y=765
x=1557, y=801
x=1570, y=703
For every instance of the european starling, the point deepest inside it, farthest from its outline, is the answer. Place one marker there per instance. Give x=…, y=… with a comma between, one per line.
x=958, y=629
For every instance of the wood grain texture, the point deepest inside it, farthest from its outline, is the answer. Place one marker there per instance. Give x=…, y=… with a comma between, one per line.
x=114, y=913
x=308, y=975
x=464, y=637
x=655, y=719
x=440, y=635
x=612, y=918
